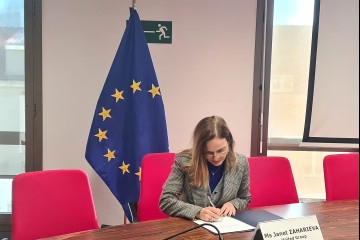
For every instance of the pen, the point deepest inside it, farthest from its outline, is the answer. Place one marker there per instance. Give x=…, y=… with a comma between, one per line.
x=213, y=205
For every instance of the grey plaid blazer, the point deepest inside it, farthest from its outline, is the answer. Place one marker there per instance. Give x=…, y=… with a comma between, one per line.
x=179, y=198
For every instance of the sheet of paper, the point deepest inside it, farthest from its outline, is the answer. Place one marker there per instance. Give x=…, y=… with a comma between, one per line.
x=227, y=225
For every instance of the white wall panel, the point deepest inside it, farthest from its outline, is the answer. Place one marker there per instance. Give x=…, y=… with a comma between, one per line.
x=208, y=70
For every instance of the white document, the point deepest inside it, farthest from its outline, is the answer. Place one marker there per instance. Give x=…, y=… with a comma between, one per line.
x=227, y=225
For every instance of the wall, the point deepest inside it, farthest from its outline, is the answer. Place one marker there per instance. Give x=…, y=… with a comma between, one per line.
x=208, y=70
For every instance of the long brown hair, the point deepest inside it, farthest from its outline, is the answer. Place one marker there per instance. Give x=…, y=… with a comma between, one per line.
x=207, y=129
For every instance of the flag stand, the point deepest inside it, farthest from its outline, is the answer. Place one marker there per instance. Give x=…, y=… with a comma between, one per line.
x=134, y=4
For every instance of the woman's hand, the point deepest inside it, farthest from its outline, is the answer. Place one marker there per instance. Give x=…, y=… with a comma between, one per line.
x=209, y=214
x=228, y=209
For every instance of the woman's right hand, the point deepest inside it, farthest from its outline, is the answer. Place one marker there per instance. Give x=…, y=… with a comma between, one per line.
x=209, y=214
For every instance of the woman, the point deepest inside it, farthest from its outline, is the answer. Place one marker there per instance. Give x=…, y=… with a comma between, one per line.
x=209, y=180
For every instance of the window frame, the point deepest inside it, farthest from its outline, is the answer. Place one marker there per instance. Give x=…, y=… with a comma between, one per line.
x=260, y=141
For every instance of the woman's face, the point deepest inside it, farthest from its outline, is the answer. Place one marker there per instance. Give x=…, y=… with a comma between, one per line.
x=216, y=151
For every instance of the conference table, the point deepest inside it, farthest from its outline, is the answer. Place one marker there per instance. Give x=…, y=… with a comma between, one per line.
x=339, y=220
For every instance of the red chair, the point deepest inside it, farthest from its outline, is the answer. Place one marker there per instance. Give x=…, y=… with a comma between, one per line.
x=52, y=202
x=155, y=169
x=341, y=175
x=271, y=181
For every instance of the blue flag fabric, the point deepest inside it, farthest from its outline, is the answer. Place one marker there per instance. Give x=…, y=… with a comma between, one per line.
x=129, y=119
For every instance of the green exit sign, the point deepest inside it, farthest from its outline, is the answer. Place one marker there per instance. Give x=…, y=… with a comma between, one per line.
x=158, y=31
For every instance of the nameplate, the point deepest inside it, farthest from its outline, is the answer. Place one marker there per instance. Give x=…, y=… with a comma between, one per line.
x=289, y=229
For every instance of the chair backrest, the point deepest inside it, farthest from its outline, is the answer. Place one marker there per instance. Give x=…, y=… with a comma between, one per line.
x=51, y=202
x=155, y=169
x=341, y=175
x=271, y=181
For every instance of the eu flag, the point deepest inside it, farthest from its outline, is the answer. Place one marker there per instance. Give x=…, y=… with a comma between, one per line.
x=129, y=119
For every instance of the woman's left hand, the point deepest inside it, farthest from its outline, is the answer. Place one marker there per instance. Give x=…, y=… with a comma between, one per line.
x=228, y=209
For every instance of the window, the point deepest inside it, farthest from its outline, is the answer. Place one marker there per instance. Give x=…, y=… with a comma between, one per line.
x=20, y=97
x=290, y=64
x=280, y=90
x=12, y=97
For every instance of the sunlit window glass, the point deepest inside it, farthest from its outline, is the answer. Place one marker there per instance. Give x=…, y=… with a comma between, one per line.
x=292, y=32
x=12, y=97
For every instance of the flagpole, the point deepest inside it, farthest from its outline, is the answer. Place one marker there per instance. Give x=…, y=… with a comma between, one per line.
x=134, y=4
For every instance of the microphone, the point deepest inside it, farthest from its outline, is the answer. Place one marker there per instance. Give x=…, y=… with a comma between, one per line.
x=190, y=229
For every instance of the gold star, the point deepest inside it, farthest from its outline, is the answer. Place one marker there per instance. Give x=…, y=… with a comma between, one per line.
x=110, y=155
x=101, y=135
x=135, y=86
x=118, y=95
x=105, y=113
x=154, y=91
x=139, y=174
x=124, y=167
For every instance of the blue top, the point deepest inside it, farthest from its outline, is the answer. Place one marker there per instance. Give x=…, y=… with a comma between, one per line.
x=215, y=174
